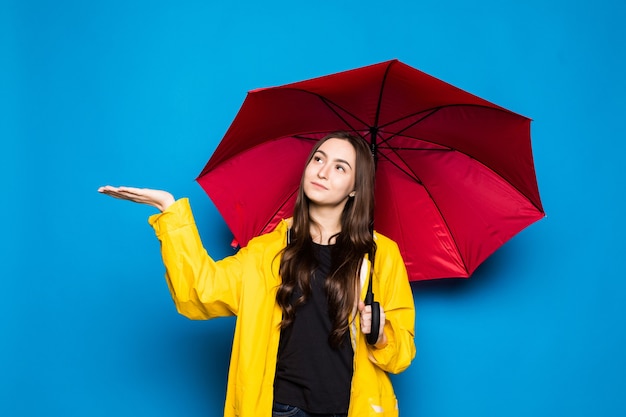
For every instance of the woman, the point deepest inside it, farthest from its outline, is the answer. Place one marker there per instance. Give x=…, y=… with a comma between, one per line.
x=298, y=293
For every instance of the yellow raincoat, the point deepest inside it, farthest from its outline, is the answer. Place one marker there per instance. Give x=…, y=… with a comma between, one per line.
x=245, y=285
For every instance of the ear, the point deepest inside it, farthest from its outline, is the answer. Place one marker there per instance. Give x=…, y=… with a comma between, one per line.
x=352, y=194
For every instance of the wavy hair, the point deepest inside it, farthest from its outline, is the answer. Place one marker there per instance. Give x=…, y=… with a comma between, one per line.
x=355, y=239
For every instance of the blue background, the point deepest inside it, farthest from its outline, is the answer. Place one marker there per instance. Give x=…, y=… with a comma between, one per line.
x=140, y=93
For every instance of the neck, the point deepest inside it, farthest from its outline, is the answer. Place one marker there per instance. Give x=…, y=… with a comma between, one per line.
x=327, y=224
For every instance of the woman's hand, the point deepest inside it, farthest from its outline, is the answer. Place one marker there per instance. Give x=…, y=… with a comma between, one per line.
x=155, y=198
x=366, y=324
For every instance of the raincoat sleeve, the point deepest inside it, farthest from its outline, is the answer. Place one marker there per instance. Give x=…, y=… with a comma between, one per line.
x=396, y=298
x=201, y=287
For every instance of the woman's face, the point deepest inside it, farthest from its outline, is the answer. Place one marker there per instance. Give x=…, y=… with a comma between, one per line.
x=330, y=175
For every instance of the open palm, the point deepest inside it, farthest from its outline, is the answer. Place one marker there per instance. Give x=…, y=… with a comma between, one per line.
x=157, y=198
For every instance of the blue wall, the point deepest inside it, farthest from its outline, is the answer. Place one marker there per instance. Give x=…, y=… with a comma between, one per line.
x=140, y=93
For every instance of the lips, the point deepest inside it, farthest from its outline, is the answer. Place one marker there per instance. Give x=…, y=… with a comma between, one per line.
x=318, y=185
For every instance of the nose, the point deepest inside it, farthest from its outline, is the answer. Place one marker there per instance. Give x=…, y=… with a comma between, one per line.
x=322, y=173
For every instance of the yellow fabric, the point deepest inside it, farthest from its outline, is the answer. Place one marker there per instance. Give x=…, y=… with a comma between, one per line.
x=245, y=285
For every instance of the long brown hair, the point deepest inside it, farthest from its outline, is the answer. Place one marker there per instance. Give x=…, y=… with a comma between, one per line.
x=298, y=262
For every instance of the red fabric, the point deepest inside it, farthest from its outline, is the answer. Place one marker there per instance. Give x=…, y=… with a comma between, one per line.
x=455, y=174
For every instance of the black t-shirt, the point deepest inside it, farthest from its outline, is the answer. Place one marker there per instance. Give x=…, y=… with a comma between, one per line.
x=310, y=373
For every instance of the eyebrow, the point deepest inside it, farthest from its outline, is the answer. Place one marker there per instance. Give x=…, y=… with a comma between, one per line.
x=336, y=159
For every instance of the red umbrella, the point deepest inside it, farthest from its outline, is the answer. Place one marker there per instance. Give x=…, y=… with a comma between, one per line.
x=455, y=177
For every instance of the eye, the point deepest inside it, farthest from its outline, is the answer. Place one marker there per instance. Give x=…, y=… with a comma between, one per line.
x=340, y=168
x=317, y=159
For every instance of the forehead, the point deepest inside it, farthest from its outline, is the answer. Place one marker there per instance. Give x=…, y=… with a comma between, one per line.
x=338, y=149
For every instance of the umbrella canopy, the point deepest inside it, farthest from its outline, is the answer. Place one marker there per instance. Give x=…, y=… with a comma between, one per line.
x=455, y=177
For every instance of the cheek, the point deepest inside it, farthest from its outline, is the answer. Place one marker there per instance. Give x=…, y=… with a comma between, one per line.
x=348, y=185
x=308, y=170
x=351, y=182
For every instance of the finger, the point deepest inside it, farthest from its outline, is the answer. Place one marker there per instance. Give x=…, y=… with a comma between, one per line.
x=119, y=190
x=114, y=191
x=109, y=191
x=106, y=188
x=366, y=319
x=361, y=305
x=366, y=327
x=382, y=321
x=132, y=190
x=124, y=195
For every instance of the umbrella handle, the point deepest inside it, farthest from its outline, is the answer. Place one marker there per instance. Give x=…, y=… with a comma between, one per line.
x=372, y=337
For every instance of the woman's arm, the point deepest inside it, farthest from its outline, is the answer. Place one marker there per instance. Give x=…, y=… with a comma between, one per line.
x=201, y=287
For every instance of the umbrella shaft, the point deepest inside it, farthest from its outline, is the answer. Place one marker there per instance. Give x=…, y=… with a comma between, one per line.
x=373, y=136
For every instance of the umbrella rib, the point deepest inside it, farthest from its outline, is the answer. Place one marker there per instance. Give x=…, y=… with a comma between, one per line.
x=415, y=177
x=380, y=97
x=374, y=128
x=394, y=149
x=435, y=109
x=410, y=173
x=398, y=133
x=271, y=218
x=331, y=105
